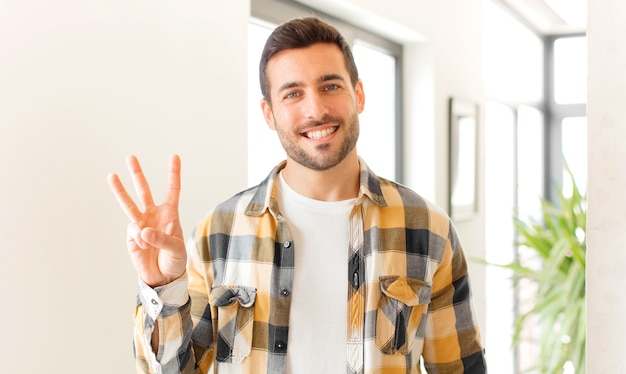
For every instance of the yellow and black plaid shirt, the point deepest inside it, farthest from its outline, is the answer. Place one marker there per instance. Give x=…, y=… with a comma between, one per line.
x=409, y=295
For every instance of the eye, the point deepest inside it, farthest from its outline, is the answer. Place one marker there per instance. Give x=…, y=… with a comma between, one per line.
x=291, y=95
x=331, y=87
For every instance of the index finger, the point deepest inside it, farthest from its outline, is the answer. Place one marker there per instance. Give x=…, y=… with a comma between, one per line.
x=139, y=181
x=123, y=198
x=173, y=189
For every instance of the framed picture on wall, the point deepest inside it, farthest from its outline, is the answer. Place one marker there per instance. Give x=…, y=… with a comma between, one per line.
x=463, y=155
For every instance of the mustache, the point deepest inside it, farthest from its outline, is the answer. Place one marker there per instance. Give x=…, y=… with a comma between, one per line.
x=324, y=120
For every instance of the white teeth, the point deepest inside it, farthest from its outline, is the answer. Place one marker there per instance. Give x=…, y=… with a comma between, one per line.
x=320, y=133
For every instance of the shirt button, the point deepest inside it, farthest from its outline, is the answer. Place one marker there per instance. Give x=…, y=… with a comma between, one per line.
x=287, y=244
x=280, y=346
x=355, y=280
x=285, y=293
x=154, y=302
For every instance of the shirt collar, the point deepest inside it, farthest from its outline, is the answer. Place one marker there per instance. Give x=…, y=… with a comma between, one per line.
x=265, y=196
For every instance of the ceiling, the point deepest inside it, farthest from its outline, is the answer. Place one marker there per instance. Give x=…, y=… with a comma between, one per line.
x=551, y=17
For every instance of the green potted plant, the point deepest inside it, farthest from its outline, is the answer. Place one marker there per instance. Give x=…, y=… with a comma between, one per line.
x=559, y=307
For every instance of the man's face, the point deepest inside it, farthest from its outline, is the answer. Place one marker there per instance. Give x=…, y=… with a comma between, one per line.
x=314, y=106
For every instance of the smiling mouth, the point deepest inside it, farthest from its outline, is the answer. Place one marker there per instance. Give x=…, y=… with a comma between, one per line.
x=318, y=134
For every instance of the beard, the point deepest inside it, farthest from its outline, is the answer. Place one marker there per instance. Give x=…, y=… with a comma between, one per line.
x=324, y=158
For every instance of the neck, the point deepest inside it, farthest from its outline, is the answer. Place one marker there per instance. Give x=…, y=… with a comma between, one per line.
x=338, y=183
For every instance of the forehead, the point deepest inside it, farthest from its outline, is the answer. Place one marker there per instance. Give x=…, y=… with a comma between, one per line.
x=302, y=64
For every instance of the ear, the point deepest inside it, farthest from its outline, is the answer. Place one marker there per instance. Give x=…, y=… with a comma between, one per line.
x=268, y=114
x=360, y=96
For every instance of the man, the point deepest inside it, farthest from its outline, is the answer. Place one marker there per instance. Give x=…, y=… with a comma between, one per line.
x=322, y=268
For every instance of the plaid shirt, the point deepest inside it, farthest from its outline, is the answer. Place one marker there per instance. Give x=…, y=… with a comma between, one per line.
x=408, y=290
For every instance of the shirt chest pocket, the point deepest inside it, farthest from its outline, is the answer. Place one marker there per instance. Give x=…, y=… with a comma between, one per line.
x=402, y=306
x=235, y=321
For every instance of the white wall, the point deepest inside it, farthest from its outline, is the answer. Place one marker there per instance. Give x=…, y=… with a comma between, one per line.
x=82, y=84
x=606, y=223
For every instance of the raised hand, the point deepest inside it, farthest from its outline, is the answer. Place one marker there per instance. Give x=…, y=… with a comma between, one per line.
x=154, y=237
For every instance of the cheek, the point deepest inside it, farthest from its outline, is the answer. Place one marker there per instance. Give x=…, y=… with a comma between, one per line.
x=285, y=118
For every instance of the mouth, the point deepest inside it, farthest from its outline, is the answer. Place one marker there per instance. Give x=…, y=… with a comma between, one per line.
x=318, y=134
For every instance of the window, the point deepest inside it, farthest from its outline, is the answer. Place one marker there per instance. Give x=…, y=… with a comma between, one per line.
x=574, y=145
x=570, y=70
x=378, y=122
x=264, y=148
x=500, y=191
x=530, y=184
x=567, y=90
x=514, y=127
x=534, y=122
x=530, y=160
x=379, y=63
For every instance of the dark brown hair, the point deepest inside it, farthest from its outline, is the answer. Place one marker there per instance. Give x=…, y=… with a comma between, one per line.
x=302, y=33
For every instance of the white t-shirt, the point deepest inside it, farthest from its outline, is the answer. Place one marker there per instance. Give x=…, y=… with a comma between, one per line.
x=317, y=321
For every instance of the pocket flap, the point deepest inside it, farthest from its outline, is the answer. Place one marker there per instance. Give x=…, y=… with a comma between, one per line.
x=410, y=291
x=226, y=295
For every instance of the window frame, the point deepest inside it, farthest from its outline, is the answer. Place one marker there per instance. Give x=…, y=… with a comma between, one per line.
x=554, y=114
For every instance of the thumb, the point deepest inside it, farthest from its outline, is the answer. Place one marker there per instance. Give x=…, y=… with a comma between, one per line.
x=161, y=240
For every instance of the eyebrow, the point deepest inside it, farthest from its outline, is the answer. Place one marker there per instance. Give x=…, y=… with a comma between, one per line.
x=323, y=78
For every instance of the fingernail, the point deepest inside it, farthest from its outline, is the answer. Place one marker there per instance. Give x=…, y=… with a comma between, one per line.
x=146, y=236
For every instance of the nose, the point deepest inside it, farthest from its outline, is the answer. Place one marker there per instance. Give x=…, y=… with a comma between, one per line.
x=315, y=106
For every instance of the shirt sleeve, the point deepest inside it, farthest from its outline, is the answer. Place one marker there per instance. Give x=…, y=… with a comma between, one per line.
x=452, y=343
x=168, y=308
